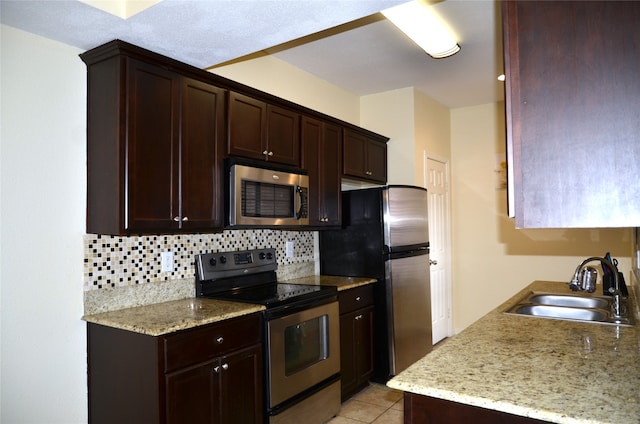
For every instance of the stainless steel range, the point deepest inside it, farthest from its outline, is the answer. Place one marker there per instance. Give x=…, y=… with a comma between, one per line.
x=302, y=340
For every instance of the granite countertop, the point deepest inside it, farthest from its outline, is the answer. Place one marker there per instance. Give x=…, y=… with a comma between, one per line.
x=166, y=317
x=551, y=370
x=342, y=283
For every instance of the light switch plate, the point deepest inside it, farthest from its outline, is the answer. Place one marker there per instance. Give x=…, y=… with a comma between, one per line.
x=166, y=260
x=289, y=250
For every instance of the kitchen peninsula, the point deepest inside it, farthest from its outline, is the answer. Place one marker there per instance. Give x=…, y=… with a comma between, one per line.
x=517, y=366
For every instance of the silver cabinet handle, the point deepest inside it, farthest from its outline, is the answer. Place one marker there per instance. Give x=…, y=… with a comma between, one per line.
x=433, y=262
x=219, y=339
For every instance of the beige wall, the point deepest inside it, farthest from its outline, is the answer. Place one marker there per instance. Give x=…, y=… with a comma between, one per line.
x=276, y=77
x=491, y=259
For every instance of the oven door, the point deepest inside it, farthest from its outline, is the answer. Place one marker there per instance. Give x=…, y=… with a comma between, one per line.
x=304, y=350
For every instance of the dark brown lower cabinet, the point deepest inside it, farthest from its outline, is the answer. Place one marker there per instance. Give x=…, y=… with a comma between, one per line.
x=356, y=339
x=209, y=374
x=420, y=409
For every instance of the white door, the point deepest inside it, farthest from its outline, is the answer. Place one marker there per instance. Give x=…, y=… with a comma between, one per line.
x=437, y=183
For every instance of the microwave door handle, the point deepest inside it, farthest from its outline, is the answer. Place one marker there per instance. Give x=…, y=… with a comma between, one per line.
x=302, y=197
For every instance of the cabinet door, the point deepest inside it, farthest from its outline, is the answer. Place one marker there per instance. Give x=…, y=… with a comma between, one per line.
x=283, y=136
x=364, y=343
x=377, y=161
x=348, y=370
x=191, y=395
x=573, y=132
x=354, y=157
x=152, y=147
x=247, y=123
x=200, y=176
x=241, y=387
x=330, y=171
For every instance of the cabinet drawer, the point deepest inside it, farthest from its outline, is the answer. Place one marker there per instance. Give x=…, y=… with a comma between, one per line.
x=356, y=298
x=200, y=344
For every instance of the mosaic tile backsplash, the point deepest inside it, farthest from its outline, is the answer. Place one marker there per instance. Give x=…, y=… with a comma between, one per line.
x=112, y=262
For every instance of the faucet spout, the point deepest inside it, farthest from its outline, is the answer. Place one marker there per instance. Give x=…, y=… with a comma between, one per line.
x=618, y=310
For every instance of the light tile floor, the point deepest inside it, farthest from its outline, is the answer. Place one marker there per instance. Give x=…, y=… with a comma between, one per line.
x=376, y=404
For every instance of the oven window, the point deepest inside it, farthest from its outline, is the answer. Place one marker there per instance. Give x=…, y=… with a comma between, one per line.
x=305, y=344
x=266, y=200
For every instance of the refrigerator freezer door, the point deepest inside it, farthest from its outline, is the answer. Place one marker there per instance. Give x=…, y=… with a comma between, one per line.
x=405, y=216
x=409, y=298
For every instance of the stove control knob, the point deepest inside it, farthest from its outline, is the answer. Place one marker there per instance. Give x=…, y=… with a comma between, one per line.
x=223, y=259
x=269, y=255
x=212, y=261
x=262, y=256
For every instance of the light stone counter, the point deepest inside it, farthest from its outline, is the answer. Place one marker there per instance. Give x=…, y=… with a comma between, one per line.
x=342, y=283
x=166, y=317
x=551, y=370
x=162, y=318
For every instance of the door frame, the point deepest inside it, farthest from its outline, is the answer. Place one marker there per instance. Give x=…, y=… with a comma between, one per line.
x=447, y=231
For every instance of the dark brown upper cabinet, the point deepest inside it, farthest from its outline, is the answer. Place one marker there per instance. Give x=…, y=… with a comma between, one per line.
x=258, y=130
x=151, y=148
x=321, y=157
x=573, y=127
x=364, y=157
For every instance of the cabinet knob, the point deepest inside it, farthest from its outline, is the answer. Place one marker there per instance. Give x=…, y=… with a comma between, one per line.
x=225, y=366
x=270, y=153
x=358, y=299
x=219, y=339
x=369, y=173
x=358, y=318
x=176, y=218
x=216, y=369
x=266, y=152
x=186, y=218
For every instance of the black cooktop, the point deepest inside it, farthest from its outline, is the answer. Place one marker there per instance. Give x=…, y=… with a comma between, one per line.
x=277, y=294
x=249, y=276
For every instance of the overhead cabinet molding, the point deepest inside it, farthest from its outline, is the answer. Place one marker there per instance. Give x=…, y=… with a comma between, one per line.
x=573, y=133
x=158, y=132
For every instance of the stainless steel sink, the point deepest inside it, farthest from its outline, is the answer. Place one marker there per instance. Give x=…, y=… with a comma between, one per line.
x=561, y=312
x=567, y=307
x=569, y=300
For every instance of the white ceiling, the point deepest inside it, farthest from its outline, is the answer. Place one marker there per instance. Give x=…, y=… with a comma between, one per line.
x=345, y=42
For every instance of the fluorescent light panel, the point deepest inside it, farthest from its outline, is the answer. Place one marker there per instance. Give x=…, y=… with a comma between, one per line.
x=420, y=23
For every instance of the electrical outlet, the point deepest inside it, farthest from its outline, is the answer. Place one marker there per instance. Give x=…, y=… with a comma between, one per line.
x=289, y=250
x=166, y=261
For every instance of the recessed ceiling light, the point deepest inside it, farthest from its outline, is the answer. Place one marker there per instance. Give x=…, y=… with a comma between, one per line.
x=422, y=24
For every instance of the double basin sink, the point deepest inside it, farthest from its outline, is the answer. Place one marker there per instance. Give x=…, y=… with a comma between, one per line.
x=567, y=307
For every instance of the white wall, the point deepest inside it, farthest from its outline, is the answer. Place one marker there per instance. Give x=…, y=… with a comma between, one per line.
x=42, y=196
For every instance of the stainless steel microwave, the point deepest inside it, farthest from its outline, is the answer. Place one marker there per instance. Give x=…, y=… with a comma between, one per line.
x=266, y=197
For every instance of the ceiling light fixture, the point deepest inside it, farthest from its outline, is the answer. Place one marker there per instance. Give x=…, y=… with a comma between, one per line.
x=420, y=23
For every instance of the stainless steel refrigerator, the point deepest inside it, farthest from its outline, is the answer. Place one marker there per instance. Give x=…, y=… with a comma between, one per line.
x=385, y=235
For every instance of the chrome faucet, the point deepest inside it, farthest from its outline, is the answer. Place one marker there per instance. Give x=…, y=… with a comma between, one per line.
x=618, y=309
